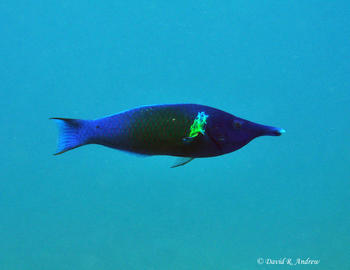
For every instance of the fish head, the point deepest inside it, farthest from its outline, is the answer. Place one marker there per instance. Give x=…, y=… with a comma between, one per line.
x=241, y=131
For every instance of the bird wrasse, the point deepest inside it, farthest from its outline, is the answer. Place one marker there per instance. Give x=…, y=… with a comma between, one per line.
x=184, y=130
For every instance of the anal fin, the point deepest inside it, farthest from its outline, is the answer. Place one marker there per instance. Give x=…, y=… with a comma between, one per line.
x=182, y=161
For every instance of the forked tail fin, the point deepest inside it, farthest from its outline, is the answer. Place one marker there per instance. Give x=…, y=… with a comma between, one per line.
x=71, y=134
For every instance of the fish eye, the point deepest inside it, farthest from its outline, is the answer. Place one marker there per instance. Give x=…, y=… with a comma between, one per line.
x=237, y=124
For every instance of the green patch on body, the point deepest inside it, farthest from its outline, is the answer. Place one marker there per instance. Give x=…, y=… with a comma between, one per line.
x=198, y=126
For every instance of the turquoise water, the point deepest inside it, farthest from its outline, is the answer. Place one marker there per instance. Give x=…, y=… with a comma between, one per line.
x=281, y=63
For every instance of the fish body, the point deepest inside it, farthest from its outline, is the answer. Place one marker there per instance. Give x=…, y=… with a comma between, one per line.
x=183, y=130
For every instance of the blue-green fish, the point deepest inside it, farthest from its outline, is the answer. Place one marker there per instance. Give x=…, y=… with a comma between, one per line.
x=184, y=130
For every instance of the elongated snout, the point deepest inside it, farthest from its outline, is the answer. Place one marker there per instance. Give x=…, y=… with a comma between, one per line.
x=273, y=131
x=278, y=132
x=263, y=130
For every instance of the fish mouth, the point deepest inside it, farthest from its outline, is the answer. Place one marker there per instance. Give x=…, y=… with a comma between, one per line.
x=273, y=131
x=270, y=131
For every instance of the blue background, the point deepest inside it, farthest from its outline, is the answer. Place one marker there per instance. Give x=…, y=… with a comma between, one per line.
x=281, y=63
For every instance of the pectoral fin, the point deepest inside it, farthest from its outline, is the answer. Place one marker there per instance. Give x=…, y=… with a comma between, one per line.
x=188, y=139
x=191, y=139
x=181, y=161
